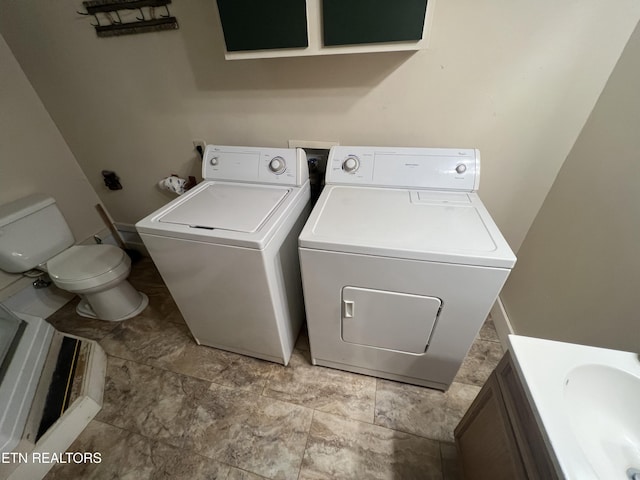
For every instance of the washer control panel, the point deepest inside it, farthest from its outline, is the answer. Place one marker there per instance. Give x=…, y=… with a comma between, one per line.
x=430, y=168
x=286, y=166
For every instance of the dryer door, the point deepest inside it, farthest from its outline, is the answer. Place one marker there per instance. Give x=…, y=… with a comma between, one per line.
x=389, y=320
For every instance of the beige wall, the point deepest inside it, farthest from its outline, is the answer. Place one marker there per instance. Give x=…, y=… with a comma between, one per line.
x=578, y=272
x=516, y=79
x=34, y=157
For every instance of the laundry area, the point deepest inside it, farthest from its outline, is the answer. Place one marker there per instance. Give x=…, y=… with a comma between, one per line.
x=316, y=239
x=224, y=283
x=205, y=412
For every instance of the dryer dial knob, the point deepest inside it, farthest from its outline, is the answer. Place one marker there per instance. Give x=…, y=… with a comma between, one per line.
x=277, y=165
x=351, y=164
x=461, y=168
x=214, y=161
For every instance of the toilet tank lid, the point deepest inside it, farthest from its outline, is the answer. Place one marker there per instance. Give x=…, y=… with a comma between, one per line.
x=12, y=211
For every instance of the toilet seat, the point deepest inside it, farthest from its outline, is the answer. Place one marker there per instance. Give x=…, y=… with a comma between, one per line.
x=85, y=267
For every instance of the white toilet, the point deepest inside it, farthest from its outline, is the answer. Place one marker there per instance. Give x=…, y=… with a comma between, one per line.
x=34, y=234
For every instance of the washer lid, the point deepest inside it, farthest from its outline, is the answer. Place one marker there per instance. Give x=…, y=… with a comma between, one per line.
x=239, y=208
x=422, y=225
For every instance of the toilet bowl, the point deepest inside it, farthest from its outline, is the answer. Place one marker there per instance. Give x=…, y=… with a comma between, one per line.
x=97, y=273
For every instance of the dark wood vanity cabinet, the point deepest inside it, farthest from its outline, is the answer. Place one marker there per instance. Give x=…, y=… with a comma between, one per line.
x=499, y=438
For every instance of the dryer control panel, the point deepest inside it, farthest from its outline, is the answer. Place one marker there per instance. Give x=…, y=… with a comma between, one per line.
x=279, y=166
x=429, y=168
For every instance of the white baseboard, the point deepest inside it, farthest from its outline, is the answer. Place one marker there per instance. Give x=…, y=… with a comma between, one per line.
x=131, y=237
x=104, y=235
x=128, y=234
x=502, y=323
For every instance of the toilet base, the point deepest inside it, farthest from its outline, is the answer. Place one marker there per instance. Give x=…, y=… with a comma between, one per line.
x=115, y=304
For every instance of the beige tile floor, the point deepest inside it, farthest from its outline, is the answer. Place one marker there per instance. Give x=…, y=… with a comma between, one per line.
x=176, y=410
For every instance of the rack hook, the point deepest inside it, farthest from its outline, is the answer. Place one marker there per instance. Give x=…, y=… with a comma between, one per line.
x=87, y=14
x=166, y=7
x=141, y=15
x=112, y=20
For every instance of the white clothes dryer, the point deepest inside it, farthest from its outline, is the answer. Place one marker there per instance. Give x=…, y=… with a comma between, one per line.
x=227, y=250
x=401, y=263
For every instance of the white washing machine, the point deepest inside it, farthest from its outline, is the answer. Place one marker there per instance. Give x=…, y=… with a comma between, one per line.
x=401, y=263
x=227, y=250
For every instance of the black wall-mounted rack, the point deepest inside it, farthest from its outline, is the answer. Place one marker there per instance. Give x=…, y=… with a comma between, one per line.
x=109, y=10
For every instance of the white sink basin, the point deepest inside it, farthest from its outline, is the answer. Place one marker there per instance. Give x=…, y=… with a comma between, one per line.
x=587, y=401
x=604, y=413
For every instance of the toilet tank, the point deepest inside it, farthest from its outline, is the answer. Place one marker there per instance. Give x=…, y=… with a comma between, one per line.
x=32, y=230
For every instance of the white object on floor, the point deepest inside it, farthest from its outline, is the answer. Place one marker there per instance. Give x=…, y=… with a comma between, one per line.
x=24, y=365
x=29, y=366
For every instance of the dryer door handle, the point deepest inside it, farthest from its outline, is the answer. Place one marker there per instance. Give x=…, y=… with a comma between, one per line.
x=347, y=307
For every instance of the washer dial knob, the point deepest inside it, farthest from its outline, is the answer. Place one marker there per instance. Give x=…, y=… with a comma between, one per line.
x=351, y=164
x=277, y=165
x=214, y=161
x=461, y=168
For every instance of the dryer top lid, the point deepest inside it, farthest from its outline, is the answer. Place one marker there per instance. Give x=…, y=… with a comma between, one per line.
x=449, y=227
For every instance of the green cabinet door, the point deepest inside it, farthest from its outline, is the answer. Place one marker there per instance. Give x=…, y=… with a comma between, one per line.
x=263, y=24
x=350, y=22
